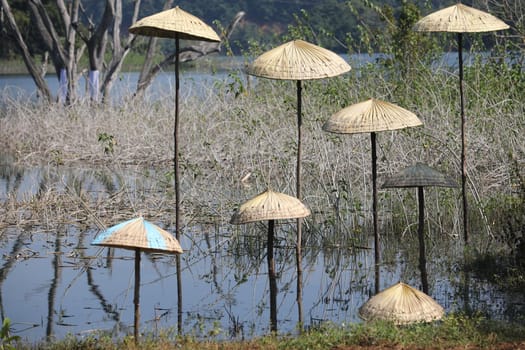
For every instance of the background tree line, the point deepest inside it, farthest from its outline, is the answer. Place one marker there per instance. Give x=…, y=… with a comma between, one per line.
x=67, y=33
x=265, y=20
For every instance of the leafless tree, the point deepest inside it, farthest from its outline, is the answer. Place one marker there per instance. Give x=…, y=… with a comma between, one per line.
x=65, y=52
x=20, y=43
x=96, y=40
x=119, y=52
x=96, y=37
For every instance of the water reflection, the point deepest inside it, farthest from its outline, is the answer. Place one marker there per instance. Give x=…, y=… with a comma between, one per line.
x=56, y=265
x=53, y=283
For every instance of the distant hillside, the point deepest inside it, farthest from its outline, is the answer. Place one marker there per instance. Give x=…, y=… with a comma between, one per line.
x=267, y=20
x=329, y=23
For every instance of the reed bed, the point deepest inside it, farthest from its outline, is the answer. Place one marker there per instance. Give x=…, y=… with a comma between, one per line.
x=238, y=138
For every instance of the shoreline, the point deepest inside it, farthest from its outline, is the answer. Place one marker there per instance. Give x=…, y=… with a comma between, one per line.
x=213, y=62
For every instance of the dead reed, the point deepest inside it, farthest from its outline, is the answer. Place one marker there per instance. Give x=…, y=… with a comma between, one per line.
x=239, y=138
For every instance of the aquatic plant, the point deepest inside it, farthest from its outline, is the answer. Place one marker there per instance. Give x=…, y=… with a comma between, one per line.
x=7, y=341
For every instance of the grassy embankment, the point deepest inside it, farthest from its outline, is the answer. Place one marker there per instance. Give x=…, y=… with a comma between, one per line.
x=133, y=62
x=453, y=332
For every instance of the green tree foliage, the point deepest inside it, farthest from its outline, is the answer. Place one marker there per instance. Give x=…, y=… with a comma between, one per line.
x=29, y=31
x=403, y=45
x=351, y=26
x=21, y=13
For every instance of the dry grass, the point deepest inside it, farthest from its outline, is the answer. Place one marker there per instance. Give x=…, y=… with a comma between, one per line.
x=235, y=143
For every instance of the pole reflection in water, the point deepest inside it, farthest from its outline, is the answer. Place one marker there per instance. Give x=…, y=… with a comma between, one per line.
x=4, y=271
x=56, y=264
x=109, y=309
x=236, y=327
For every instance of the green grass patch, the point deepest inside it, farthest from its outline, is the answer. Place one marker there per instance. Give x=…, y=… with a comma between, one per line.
x=455, y=330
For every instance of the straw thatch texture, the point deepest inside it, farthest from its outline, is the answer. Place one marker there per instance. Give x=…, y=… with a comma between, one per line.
x=138, y=233
x=298, y=60
x=270, y=205
x=401, y=304
x=370, y=116
x=167, y=23
x=459, y=18
x=419, y=175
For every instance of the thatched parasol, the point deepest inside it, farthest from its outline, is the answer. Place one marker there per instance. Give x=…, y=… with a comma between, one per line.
x=270, y=206
x=420, y=175
x=460, y=19
x=372, y=116
x=402, y=305
x=138, y=234
x=177, y=24
x=298, y=60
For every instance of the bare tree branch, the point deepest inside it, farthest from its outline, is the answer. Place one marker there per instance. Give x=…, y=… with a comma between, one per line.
x=28, y=60
x=49, y=34
x=150, y=53
x=119, y=52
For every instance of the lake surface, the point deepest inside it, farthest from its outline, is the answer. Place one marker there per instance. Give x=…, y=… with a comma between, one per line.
x=54, y=283
x=22, y=87
x=191, y=79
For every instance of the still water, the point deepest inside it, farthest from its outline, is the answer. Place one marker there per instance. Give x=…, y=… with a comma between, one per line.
x=54, y=283
x=22, y=87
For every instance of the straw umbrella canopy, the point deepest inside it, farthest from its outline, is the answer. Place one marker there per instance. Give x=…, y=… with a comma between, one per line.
x=401, y=304
x=372, y=116
x=461, y=19
x=420, y=176
x=138, y=235
x=271, y=206
x=178, y=24
x=298, y=60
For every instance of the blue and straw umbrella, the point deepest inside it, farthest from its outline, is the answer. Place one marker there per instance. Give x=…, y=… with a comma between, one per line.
x=461, y=19
x=138, y=235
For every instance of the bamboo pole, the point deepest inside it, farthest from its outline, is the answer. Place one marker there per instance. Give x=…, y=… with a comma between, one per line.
x=272, y=277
